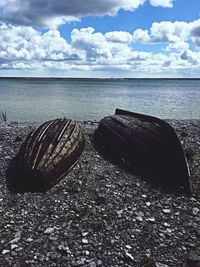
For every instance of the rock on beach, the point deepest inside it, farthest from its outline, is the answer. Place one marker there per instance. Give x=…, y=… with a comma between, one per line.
x=100, y=214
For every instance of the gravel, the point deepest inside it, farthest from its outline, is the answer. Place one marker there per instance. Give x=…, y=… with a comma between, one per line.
x=100, y=214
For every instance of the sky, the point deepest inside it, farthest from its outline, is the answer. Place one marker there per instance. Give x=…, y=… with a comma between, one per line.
x=100, y=39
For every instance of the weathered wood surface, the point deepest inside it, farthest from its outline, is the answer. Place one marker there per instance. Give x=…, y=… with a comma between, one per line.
x=148, y=144
x=46, y=156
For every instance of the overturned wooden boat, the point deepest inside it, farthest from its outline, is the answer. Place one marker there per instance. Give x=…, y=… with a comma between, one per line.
x=150, y=146
x=46, y=156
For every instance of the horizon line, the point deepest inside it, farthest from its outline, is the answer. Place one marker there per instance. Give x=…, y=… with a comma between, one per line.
x=102, y=78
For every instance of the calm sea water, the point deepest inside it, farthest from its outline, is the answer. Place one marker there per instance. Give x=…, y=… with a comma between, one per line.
x=89, y=99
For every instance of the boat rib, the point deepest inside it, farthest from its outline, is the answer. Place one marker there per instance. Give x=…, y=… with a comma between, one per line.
x=46, y=156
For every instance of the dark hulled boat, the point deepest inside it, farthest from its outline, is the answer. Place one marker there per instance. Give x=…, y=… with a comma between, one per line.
x=46, y=156
x=150, y=146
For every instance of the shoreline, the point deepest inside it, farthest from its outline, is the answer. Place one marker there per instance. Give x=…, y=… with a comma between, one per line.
x=97, y=78
x=100, y=214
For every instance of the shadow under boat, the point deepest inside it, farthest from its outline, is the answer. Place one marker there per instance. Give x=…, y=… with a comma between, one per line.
x=148, y=144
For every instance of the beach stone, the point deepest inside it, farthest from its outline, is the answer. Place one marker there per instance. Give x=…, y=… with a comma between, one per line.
x=151, y=219
x=144, y=196
x=13, y=246
x=139, y=218
x=63, y=248
x=92, y=264
x=29, y=239
x=5, y=251
x=84, y=241
x=15, y=240
x=110, y=228
x=80, y=262
x=18, y=139
x=99, y=263
x=195, y=211
x=158, y=264
x=49, y=230
x=129, y=256
x=85, y=234
x=166, y=211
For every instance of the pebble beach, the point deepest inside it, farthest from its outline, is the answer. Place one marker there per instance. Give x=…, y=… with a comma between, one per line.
x=100, y=214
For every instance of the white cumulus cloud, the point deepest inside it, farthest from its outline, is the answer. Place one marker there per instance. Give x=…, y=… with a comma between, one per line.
x=48, y=13
x=172, y=32
x=118, y=37
x=178, y=46
x=23, y=47
x=141, y=36
x=162, y=3
x=51, y=13
x=167, y=31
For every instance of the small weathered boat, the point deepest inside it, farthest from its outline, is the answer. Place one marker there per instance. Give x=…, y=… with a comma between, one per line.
x=149, y=145
x=46, y=156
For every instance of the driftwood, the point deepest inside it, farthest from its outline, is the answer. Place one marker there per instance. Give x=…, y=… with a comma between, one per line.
x=46, y=156
x=149, y=145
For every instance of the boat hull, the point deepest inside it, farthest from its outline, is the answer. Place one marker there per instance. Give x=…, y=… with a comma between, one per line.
x=46, y=156
x=149, y=145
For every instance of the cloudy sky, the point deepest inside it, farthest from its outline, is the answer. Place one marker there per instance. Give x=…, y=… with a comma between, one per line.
x=104, y=38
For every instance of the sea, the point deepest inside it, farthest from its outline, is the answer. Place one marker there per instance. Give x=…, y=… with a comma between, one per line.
x=41, y=99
